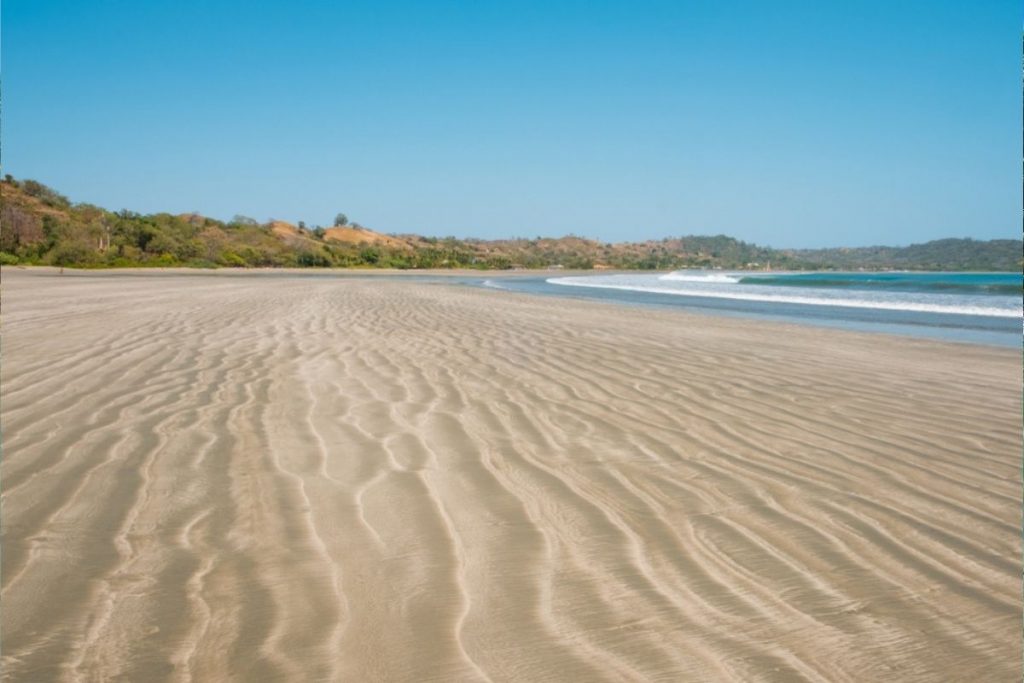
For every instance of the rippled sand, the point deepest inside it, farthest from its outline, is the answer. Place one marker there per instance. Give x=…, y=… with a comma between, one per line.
x=214, y=477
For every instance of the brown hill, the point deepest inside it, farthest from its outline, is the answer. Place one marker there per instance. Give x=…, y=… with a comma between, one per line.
x=283, y=229
x=36, y=199
x=292, y=235
x=352, y=235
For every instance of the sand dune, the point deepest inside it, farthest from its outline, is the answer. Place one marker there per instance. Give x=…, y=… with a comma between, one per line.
x=267, y=478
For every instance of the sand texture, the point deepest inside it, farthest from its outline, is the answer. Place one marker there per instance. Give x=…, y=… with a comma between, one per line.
x=274, y=478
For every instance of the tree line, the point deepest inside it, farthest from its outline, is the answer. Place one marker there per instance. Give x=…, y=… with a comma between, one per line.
x=38, y=225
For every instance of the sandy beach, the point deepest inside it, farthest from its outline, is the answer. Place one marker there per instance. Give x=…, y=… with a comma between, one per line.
x=249, y=478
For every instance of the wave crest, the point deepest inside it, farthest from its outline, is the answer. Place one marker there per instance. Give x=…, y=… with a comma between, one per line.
x=746, y=295
x=689, y=276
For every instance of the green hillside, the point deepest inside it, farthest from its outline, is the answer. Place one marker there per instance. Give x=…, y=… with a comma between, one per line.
x=40, y=226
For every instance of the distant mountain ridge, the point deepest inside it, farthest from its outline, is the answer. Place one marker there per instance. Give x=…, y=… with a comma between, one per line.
x=943, y=254
x=40, y=226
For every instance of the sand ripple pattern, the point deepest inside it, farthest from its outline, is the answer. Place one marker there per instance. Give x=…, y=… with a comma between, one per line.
x=213, y=478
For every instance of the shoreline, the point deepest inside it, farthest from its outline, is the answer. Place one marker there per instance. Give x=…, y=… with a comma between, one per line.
x=531, y=283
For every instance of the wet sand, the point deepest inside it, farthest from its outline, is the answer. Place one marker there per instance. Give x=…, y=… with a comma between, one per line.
x=249, y=478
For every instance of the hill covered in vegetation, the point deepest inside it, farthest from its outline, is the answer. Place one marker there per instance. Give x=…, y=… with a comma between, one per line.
x=40, y=226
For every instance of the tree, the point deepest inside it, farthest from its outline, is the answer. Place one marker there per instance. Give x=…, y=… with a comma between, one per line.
x=18, y=228
x=340, y=221
x=72, y=254
x=239, y=219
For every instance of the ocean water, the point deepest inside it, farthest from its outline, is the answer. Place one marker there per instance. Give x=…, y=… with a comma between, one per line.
x=970, y=307
x=985, y=294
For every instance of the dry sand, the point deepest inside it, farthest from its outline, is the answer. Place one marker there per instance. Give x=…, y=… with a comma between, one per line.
x=268, y=478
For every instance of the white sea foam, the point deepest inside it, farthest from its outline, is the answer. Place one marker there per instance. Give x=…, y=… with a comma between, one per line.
x=745, y=294
x=683, y=276
x=494, y=285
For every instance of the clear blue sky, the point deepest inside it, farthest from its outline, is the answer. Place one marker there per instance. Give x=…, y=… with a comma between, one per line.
x=783, y=123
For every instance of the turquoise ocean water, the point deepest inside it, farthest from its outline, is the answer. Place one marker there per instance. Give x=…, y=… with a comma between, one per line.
x=970, y=307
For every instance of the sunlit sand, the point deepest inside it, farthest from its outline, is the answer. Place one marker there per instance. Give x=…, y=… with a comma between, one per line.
x=251, y=478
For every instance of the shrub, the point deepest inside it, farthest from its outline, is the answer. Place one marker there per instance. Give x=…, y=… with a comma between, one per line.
x=121, y=262
x=313, y=259
x=232, y=260
x=72, y=254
